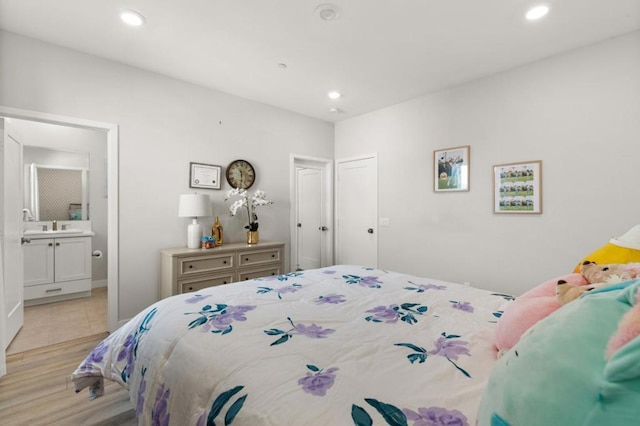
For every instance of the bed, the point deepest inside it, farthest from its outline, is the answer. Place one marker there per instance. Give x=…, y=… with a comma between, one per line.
x=333, y=346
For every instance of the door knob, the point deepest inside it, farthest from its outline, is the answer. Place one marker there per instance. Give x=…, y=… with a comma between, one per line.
x=370, y=230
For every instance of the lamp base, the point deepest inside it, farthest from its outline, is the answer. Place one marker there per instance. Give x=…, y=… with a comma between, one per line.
x=194, y=234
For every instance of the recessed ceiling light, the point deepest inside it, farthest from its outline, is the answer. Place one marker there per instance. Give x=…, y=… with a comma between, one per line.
x=537, y=12
x=334, y=110
x=132, y=18
x=334, y=95
x=328, y=12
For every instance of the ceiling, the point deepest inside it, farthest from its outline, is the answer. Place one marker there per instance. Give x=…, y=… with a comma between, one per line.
x=376, y=52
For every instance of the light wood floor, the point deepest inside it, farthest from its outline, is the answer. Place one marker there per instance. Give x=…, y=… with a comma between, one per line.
x=37, y=389
x=62, y=321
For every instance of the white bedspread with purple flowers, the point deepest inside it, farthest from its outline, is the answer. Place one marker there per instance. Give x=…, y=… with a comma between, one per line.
x=341, y=345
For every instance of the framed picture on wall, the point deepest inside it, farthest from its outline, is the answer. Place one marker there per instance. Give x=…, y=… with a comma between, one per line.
x=518, y=187
x=206, y=176
x=451, y=169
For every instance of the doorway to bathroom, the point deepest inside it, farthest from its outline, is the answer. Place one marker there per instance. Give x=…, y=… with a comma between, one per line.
x=69, y=319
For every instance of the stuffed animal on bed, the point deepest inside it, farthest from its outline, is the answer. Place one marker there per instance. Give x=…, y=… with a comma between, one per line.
x=598, y=276
x=578, y=366
x=526, y=310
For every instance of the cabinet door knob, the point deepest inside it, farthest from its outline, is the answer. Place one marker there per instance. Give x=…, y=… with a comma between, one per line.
x=57, y=244
x=273, y=255
x=50, y=244
x=190, y=266
x=225, y=262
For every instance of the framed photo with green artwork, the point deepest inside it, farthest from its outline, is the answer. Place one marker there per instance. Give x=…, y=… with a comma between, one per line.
x=518, y=187
x=451, y=169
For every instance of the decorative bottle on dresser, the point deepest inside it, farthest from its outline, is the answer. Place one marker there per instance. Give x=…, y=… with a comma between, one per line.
x=216, y=232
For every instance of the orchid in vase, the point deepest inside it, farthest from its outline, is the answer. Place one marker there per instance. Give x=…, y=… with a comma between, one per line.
x=249, y=202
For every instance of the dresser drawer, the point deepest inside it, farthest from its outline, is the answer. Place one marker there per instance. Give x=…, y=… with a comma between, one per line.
x=259, y=273
x=258, y=257
x=187, y=286
x=189, y=266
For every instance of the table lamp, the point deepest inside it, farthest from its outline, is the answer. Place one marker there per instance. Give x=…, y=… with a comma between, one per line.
x=194, y=206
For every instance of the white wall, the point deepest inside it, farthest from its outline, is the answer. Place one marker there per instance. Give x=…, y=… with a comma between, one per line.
x=579, y=113
x=163, y=125
x=75, y=140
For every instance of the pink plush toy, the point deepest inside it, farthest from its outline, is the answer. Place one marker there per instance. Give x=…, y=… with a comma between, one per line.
x=628, y=329
x=530, y=308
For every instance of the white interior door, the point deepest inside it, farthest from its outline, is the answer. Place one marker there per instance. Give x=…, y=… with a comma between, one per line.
x=11, y=236
x=311, y=207
x=357, y=211
x=309, y=224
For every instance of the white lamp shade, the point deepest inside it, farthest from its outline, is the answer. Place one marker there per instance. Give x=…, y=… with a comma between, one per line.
x=194, y=205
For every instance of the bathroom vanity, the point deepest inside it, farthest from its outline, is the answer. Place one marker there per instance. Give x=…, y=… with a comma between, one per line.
x=57, y=264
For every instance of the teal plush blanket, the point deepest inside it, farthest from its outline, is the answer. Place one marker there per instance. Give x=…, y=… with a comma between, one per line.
x=557, y=374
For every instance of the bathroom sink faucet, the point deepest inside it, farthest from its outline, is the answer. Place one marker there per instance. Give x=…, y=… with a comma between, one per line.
x=54, y=225
x=27, y=216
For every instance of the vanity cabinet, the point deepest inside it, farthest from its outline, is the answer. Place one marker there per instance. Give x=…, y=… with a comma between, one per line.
x=183, y=270
x=56, y=266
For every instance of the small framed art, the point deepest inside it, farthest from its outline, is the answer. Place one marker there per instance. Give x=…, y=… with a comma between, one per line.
x=518, y=187
x=451, y=169
x=205, y=176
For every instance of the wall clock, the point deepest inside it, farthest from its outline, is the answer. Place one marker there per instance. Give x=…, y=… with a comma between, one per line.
x=240, y=174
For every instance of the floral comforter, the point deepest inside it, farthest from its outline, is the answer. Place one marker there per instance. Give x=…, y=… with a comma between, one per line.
x=341, y=345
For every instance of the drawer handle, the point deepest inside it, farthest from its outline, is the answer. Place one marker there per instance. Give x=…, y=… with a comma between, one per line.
x=246, y=259
x=53, y=289
x=190, y=288
x=225, y=262
x=224, y=282
x=273, y=255
x=190, y=266
x=273, y=273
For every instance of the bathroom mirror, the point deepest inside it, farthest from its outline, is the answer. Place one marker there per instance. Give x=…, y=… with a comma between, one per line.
x=55, y=184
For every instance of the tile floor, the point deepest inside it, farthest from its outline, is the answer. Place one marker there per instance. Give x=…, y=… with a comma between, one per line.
x=57, y=322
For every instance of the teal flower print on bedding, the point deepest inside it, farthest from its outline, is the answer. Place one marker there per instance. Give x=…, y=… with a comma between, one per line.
x=462, y=306
x=129, y=351
x=446, y=346
x=280, y=291
x=219, y=404
x=281, y=277
x=394, y=416
x=318, y=381
x=219, y=320
x=332, y=299
x=312, y=331
x=406, y=312
x=370, y=281
x=421, y=288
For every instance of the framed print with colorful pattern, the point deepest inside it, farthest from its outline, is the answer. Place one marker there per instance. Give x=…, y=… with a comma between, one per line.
x=518, y=187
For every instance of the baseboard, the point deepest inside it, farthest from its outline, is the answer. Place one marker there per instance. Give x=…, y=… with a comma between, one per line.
x=99, y=283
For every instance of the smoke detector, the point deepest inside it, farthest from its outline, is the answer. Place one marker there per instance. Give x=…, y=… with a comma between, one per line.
x=328, y=12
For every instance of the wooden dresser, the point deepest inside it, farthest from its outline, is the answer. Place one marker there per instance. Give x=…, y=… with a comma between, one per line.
x=183, y=270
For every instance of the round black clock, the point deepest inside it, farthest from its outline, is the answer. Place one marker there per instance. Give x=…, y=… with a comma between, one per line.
x=240, y=174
